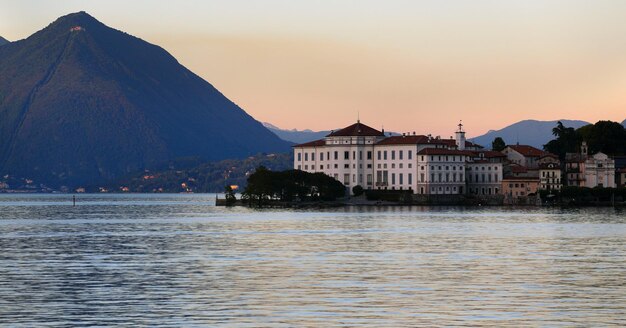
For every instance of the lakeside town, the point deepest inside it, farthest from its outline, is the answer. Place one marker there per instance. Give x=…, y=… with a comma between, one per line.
x=435, y=169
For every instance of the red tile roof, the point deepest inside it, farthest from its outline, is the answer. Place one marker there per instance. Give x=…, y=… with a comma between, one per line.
x=443, y=151
x=488, y=153
x=316, y=143
x=518, y=169
x=528, y=151
x=508, y=177
x=404, y=140
x=452, y=143
x=356, y=129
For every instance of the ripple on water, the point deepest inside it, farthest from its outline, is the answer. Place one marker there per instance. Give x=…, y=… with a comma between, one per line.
x=175, y=260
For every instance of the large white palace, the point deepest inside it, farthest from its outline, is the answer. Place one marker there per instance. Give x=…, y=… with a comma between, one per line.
x=361, y=155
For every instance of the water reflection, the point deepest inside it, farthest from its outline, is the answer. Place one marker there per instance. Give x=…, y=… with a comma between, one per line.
x=175, y=260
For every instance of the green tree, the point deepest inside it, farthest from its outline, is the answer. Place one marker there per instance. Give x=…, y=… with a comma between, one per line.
x=230, y=195
x=566, y=141
x=498, y=144
x=358, y=190
x=605, y=136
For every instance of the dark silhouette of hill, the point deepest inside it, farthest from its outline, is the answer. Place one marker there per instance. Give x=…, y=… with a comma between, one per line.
x=527, y=132
x=3, y=41
x=81, y=103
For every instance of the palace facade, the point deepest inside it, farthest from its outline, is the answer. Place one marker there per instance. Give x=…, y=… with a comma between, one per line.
x=362, y=155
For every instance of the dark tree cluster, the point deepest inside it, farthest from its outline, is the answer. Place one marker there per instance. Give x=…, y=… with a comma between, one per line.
x=604, y=136
x=291, y=185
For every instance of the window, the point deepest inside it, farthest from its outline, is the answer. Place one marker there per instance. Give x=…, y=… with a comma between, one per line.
x=421, y=177
x=369, y=179
x=378, y=155
x=299, y=157
x=369, y=166
x=385, y=155
x=346, y=166
x=410, y=153
x=313, y=156
x=360, y=155
x=306, y=167
x=400, y=165
x=346, y=179
x=336, y=166
x=439, y=178
x=346, y=155
x=354, y=178
x=410, y=178
x=306, y=157
x=393, y=178
x=299, y=167
x=447, y=177
x=393, y=154
x=369, y=155
x=400, y=178
x=393, y=165
x=336, y=155
x=321, y=157
x=400, y=154
x=432, y=177
x=360, y=178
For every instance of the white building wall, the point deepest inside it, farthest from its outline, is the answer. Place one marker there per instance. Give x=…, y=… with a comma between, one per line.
x=484, y=178
x=398, y=164
x=441, y=174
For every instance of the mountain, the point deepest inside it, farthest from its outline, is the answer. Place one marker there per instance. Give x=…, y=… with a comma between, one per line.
x=3, y=41
x=296, y=136
x=527, y=132
x=81, y=103
x=302, y=136
x=624, y=123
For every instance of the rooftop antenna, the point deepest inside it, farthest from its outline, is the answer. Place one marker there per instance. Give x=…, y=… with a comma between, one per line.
x=460, y=125
x=358, y=117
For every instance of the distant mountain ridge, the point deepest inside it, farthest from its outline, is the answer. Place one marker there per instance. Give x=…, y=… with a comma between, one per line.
x=3, y=41
x=303, y=136
x=296, y=136
x=81, y=103
x=527, y=132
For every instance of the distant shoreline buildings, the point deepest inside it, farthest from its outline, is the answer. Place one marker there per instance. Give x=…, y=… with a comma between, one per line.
x=427, y=165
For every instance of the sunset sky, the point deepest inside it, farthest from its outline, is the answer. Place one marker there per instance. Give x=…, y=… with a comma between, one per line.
x=405, y=65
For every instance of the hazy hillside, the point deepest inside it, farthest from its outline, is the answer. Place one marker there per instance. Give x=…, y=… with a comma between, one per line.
x=527, y=132
x=3, y=41
x=81, y=102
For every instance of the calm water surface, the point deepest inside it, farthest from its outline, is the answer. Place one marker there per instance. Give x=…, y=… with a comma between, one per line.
x=176, y=260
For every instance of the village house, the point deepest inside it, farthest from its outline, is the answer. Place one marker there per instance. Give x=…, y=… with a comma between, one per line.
x=583, y=170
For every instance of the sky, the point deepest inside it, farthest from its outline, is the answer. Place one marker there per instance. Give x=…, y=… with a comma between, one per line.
x=405, y=65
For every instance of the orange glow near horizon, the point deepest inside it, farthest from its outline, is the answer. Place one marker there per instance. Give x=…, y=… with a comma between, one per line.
x=406, y=65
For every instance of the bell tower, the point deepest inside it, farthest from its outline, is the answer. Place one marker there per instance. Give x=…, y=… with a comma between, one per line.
x=460, y=137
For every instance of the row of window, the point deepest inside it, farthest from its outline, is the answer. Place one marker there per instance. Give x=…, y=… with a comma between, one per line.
x=383, y=178
x=482, y=168
x=440, y=177
x=380, y=155
x=439, y=167
x=482, y=177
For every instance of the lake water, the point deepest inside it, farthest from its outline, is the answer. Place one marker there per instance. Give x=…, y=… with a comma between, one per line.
x=176, y=260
